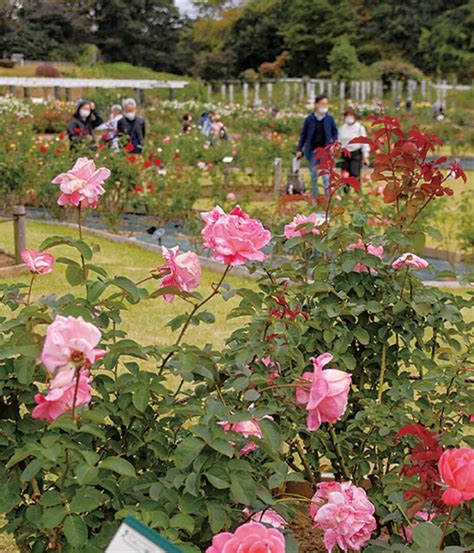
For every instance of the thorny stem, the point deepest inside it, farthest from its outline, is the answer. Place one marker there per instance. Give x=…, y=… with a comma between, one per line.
x=445, y=527
x=339, y=455
x=275, y=386
x=79, y=224
x=196, y=308
x=382, y=373
x=28, y=297
x=76, y=388
x=304, y=460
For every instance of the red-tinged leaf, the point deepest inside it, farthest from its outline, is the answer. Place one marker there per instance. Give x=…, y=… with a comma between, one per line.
x=390, y=193
x=353, y=182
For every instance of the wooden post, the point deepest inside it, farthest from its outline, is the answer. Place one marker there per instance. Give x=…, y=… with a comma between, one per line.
x=277, y=176
x=302, y=90
x=223, y=92
x=12, y=90
x=231, y=93
x=329, y=89
x=269, y=91
x=286, y=92
x=256, y=98
x=57, y=93
x=136, y=91
x=26, y=92
x=172, y=94
x=423, y=90
x=19, y=231
x=68, y=95
x=209, y=92
x=245, y=92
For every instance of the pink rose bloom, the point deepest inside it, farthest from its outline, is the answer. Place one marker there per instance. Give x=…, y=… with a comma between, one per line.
x=292, y=230
x=272, y=365
x=234, y=238
x=251, y=537
x=376, y=251
x=246, y=428
x=82, y=185
x=181, y=270
x=379, y=189
x=166, y=140
x=456, y=468
x=230, y=197
x=38, y=262
x=202, y=165
x=59, y=400
x=269, y=516
x=324, y=392
x=420, y=515
x=344, y=514
x=70, y=343
x=410, y=260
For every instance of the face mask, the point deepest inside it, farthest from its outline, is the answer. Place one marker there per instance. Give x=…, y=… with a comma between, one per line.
x=350, y=120
x=130, y=115
x=84, y=113
x=323, y=111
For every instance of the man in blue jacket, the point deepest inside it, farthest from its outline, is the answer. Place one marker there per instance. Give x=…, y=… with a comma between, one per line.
x=319, y=130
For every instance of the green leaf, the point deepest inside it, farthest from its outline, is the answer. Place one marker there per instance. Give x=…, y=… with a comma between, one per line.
x=75, y=530
x=271, y=433
x=217, y=516
x=51, y=498
x=242, y=488
x=362, y=335
x=86, y=474
x=118, y=465
x=129, y=287
x=53, y=517
x=222, y=447
x=427, y=536
x=25, y=368
x=83, y=248
x=140, y=399
x=86, y=500
x=183, y=522
x=31, y=470
x=187, y=451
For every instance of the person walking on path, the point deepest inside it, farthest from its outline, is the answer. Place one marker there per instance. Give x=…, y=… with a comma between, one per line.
x=319, y=130
x=359, y=153
x=132, y=126
x=80, y=128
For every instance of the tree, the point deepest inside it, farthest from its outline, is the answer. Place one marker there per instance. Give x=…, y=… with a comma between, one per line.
x=254, y=36
x=141, y=32
x=342, y=59
x=311, y=29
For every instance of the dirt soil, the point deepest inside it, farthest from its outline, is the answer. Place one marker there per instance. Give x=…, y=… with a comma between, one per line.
x=309, y=539
x=6, y=261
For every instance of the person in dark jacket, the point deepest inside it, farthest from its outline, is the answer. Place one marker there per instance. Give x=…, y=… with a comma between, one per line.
x=84, y=120
x=319, y=130
x=132, y=126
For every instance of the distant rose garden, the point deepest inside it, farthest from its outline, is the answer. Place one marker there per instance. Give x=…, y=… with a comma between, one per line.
x=343, y=398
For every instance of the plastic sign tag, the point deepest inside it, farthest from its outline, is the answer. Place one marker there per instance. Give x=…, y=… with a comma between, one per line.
x=135, y=537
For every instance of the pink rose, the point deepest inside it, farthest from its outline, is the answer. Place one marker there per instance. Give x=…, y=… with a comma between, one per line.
x=59, y=400
x=166, y=140
x=269, y=516
x=234, y=238
x=82, y=185
x=379, y=189
x=70, y=343
x=181, y=270
x=420, y=515
x=376, y=251
x=325, y=393
x=272, y=365
x=295, y=228
x=251, y=537
x=410, y=260
x=246, y=428
x=230, y=197
x=202, y=165
x=456, y=468
x=38, y=262
x=344, y=514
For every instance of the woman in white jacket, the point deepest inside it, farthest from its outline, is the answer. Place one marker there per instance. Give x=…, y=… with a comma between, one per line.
x=359, y=153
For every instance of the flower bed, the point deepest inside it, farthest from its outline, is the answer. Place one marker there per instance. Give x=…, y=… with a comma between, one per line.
x=346, y=375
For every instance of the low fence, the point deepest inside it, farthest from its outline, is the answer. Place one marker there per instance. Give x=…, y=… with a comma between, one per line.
x=19, y=232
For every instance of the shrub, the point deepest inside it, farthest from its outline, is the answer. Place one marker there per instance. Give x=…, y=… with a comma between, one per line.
x=7, y=63
x=47, y=71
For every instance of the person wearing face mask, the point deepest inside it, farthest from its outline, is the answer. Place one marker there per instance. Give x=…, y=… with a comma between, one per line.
x=132, y=126
x=319, y=130
x=81, y=127
x=359, y=153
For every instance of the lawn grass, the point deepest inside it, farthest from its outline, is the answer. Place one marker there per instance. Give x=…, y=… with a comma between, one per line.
x=145, y=322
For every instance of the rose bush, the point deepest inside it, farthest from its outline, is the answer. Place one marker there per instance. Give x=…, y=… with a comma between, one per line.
x=185, y=438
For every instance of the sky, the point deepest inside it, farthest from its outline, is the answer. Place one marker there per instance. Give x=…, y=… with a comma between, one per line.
x=185, y=6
